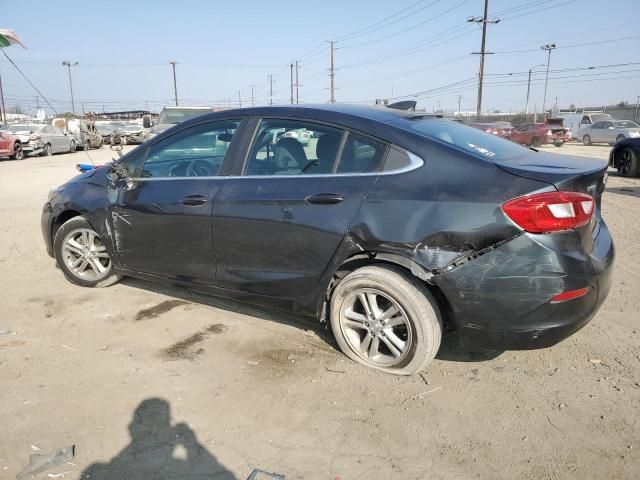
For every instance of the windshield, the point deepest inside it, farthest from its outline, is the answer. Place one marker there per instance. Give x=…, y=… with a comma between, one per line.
x=600, y=117
x=470, y=139
x=627, y=124
x=177, y=115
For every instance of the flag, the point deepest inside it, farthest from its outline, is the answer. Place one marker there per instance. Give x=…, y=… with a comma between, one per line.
x=8, y=38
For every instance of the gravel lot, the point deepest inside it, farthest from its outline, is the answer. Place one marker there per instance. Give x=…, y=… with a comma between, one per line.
x=137, y=375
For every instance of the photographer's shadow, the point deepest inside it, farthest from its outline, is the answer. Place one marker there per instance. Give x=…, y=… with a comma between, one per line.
x=159, y=451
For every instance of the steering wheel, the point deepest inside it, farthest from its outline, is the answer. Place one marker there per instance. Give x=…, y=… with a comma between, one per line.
x=200, y=168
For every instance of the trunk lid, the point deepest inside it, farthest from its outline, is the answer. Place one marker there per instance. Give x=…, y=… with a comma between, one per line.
x=569, y=173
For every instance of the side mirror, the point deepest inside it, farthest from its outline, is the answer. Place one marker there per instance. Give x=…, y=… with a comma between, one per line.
x=146, y=122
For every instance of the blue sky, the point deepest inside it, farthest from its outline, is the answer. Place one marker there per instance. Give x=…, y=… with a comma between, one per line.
x=123, y=49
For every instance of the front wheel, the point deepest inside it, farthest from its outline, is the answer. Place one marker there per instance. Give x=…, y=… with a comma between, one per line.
x=82, y=256
x=18, y=153
x=47, y=152
x=586, y=140
x=72, y=146
x=387, y=319
x=87, y=146
x=558, y=144
x=628, y=165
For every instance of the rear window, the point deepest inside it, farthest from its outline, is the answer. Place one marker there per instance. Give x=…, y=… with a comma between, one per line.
x=467, y=138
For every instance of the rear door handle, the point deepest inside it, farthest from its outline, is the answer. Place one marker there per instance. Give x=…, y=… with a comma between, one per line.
x=193, y=201
x=324, y=199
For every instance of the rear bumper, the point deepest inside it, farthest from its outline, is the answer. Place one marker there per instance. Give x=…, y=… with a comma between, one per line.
x=501, y=300
x=46, y=225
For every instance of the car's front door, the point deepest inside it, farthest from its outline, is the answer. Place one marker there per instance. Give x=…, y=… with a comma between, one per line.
x=279, y=221
x=162, y=221
x=5, y=144
x=596, y=132
x=59, y=143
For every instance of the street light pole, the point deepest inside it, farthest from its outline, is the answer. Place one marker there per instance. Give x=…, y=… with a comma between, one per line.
x=68, y=64
x=548, y=47
x=526, y=108
x=175, y=85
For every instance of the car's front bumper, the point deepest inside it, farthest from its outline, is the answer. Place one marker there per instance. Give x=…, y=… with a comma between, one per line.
x=502, y=300
x=46, y=224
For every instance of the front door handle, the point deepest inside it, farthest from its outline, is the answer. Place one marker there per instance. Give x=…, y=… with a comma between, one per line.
x=324, y=199
x=193, y=201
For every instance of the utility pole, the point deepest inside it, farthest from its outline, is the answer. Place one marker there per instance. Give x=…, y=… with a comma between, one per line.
x=484, y=21
x=175, y=84
x=526, y=108
x=270, y=89
x=459, y=111
x=37, y=103
x=548, y=47
x=297, y=85
x=332, y=74
x=253, y=103
x=291, y=67
x=68, y=64
x=239, y=100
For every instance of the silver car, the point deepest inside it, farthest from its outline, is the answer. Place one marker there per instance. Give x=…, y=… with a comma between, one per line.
x=609, y=131
x=47, y=140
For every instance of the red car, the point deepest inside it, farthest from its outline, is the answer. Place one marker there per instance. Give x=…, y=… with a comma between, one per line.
x=501, y=129
x=536, y=134
x=10, y=146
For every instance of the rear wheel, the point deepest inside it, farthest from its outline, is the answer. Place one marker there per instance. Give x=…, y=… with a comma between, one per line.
x=536, y=142
x=586, y=140
x=18, y=153
x=82, y=256
x=628, y=164
x=387, y=319
x=558, y=144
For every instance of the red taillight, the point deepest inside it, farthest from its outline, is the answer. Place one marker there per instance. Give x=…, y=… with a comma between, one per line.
x=569, y=295
x=551, y=211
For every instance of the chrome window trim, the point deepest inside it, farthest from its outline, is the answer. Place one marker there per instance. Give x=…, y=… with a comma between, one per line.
x=415, y=162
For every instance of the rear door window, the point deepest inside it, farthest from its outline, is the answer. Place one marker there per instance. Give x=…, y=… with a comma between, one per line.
x=293, y=147
x=361, y=155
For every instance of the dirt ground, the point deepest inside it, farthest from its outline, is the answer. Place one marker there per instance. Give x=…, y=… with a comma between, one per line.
x=137, y=375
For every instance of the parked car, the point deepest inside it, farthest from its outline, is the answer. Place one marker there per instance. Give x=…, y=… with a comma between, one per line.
x=23, y=133
x=44, y=139
x=105, y=130
x=130, y=133
x=625, y=156
x=609, y=131
x=170, y=116
x=10, y=146
x=501, y=129
x=85, y=133
x=391, y=227
x=537, y=134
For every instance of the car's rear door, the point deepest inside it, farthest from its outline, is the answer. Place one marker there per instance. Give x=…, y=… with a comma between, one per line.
x=162, y=222
x=280, y=219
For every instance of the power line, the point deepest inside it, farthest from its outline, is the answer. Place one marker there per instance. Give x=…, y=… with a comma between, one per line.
x=574, y=45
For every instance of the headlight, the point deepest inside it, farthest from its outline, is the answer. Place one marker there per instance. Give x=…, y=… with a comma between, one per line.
x=634, y=134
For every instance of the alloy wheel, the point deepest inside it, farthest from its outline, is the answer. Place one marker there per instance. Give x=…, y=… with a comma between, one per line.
x=85, y=255
x=625, y=165
x=376, y=327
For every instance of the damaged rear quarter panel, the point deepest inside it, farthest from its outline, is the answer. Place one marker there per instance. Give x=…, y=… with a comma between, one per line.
x=435, y=215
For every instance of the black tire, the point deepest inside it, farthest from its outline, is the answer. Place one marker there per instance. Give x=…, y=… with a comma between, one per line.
x=124, y=141
x=619, y=138
x=47, y=152
x=536, y=142
x=86, y=145
x=628, y=163
x=18, y=153
x=586, y=140
x=422, y=328
x=558, y=144
x=72, y=146
x=65, y=258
